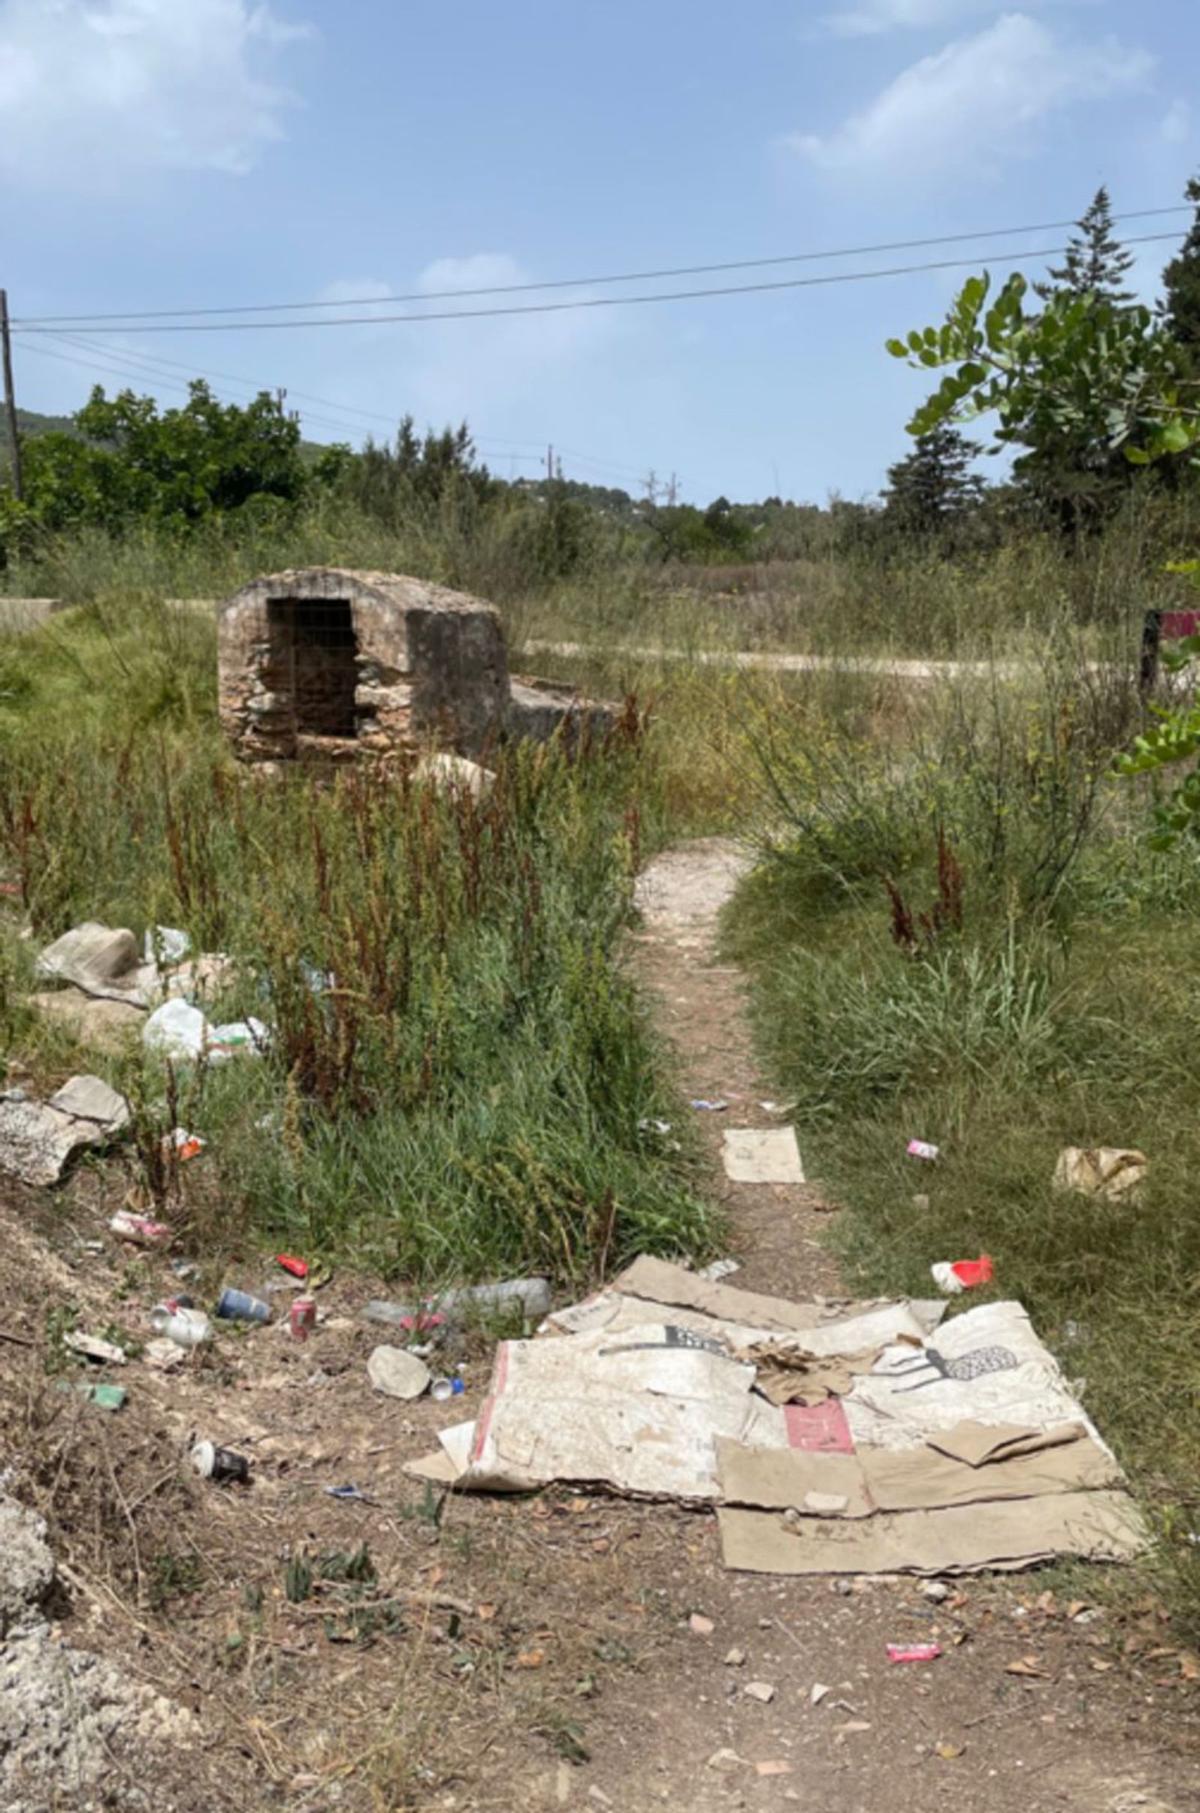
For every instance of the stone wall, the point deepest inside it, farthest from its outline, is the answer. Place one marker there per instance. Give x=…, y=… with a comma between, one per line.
x=430, y=667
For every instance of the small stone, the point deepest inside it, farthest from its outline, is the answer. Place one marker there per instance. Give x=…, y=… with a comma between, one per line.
x=762, y=1691
x=700, y=1626
x=396, y=1373
x=736, y=1658
x=817, y=1693
x=937, y=1590
x=724, y=1760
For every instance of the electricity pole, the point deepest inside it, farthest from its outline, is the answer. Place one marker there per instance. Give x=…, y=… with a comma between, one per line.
x=10, y=401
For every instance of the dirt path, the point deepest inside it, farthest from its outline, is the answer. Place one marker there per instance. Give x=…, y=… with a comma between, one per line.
x=886, y=666
x=1096, y=1734
x=575, y=1652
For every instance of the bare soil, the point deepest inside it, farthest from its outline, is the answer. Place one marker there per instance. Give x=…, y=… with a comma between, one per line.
x=564, y=1651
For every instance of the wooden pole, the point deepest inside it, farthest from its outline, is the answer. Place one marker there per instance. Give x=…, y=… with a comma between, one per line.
x=10, y=401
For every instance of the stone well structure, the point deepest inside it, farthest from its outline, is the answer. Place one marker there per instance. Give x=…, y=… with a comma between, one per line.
x=325, y=664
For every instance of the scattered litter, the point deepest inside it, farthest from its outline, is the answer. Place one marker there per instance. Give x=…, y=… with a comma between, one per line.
x=703, y=1107
x=220, y=1464
x=186, y=1145
x=353, y=1494
x=654, y=1126
x=242, y=1306
x=397, y=1373
x=181, y=1324
x=700, y=1626
x=725, y=1760
x=913, y=1652
x=297, y=1267
x=736, y=1658
x=162, y=1355
x=1109, y=1171
x=165, y=944
x=94, y=1347
x=445, y=1388
x=774, y=1767
x=852, y=1725
x=757, y=1155
x=720, y=1268
x=762, y=1691
x=105, y=1397
x=817, y=1692
x=531, y=1295
x=779, y=1108
x=953, y=1276
x=142, y=1230
x=1027, y=1666
x=949, y=1753
x=921, y=1148
x=38, y=1139
x=180, y=1031
x=951, y=1452
x=302, y=1318
x=920, y=1202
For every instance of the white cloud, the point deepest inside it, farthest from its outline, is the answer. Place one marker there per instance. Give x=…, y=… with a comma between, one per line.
x=93, y=92
x=975, y=98
x=868, y=18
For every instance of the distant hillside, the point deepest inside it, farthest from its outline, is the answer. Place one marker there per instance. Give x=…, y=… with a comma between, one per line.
x=30, y=422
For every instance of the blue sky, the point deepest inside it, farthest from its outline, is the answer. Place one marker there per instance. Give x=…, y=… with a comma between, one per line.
x=162, y=153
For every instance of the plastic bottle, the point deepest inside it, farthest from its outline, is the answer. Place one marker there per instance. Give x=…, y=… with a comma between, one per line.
x=530, y=1295
x=186, y=1327
x=242, y=1306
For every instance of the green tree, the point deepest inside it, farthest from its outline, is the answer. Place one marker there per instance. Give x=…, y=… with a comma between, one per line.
x=1181, y=284
x=129, y=460
x=1095, y=264
x=1082, y=389
x=933, y=488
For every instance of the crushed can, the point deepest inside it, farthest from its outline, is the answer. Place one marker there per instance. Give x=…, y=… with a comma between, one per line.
x=302, y=1318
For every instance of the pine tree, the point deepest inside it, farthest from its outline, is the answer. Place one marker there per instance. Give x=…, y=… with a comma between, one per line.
x=1181, y=284
x=1096, y=262
x=933, y=486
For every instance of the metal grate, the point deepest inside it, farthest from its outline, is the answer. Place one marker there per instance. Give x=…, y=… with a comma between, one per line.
x=314, y=654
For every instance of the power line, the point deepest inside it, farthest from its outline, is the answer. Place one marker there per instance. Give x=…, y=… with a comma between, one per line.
x=562, y=283
x=592, y=302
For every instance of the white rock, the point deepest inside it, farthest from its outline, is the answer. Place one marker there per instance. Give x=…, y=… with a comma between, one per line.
x=455, y=774
x=397, y=1373
x=763, y=1691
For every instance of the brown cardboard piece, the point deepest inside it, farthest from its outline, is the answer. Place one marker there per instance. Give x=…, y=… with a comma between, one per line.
x=964, y=1539
x=658, y=1281
x=912, y=1479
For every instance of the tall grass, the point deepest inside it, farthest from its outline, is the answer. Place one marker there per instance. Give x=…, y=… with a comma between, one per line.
x=457, y=1068
x=1038, y=991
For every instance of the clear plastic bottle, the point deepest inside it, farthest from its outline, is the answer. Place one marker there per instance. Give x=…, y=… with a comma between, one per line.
x=186, y=1327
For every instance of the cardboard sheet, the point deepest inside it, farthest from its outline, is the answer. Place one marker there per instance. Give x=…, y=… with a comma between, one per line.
x=762, y=1155
x=1099, y=1526
x=912, y=1479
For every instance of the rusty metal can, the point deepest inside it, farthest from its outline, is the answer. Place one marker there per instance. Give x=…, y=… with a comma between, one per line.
x=302, y=1318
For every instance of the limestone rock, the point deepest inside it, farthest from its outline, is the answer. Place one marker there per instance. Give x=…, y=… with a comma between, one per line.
x=397, y=1373
x=455, y=773
x=100, y=959
x=101, y=1022
x=26, y=1564
x=39, y=1139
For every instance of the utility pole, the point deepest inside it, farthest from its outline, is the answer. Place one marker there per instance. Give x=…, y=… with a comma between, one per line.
x=550, y=464
x=10, y=401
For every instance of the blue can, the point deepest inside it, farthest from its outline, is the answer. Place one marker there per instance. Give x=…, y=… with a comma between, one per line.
x=240, y=1306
